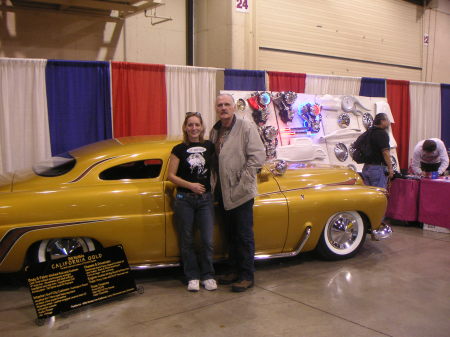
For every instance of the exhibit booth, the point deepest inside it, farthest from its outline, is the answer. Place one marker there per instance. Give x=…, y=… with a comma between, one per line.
x=312, y=129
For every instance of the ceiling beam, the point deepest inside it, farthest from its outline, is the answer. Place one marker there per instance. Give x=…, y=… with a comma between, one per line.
x=124, y=8
x=68, y=12
x=94, y=4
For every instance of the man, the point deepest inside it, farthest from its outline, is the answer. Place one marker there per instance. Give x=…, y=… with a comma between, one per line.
x=239, y=153
x=429, y=155
x=378, y=167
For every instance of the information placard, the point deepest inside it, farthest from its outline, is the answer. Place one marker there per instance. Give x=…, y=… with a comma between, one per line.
x=71, y=282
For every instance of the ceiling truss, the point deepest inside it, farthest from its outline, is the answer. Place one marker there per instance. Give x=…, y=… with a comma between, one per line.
x=102, y=8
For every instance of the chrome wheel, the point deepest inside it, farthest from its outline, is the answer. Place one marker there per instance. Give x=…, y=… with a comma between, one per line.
x=341, y=152
x=58, y=248
x=342, y=236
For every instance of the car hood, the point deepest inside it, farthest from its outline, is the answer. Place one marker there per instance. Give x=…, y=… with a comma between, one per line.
x=6, y=182
x=300, y=176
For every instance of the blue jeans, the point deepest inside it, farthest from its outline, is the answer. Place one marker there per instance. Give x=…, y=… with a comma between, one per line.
x=240, y=238
x=374, y=175
x=191, y=211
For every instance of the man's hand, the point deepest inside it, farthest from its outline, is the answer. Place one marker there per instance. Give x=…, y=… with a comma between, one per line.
x=387, y=160
x=391, y=173
x=197, y=188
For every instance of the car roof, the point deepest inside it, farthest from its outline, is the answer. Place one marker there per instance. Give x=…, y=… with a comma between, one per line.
x=160, y=145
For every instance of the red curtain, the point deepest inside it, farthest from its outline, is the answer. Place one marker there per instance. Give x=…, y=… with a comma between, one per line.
x=280, y=81
x=139, y=99
x=398, y=99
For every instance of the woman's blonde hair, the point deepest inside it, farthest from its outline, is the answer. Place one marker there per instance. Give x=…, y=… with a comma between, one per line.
x=185, y=135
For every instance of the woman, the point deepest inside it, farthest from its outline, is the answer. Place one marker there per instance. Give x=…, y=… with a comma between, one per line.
x=189, y=169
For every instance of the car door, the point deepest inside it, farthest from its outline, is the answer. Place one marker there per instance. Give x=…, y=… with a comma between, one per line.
x=270, y=216
x=130, y=193
x=270, y=213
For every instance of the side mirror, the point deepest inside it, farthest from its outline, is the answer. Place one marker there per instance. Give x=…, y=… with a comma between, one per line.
x=278, y=167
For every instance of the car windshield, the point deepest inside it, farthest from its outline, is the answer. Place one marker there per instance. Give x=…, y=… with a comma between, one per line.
x=55, y=166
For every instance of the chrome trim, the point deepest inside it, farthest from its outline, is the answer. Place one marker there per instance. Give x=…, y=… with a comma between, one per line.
x=302, y=242
x=384, y=232
x=146, y=266
x=278, y=167
x=351, y=181
x=154, y=265
x=293, y=253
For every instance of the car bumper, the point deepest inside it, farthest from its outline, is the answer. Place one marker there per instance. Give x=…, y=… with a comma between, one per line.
x=384, y=232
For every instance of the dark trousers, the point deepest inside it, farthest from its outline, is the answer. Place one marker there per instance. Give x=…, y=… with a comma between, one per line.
x=427, y=167
x=193, y=211
x=238, y=225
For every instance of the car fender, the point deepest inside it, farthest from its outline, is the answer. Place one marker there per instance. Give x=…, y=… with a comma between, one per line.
x=324, y=201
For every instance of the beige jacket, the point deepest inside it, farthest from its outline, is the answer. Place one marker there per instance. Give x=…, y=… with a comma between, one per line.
x=242, y=154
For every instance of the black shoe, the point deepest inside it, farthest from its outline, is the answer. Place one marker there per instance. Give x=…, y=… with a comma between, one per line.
x=228, y=278
x=242, y=285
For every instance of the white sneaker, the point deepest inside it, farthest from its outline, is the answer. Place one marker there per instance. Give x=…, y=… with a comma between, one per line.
x=210, y=284
x=193, y=285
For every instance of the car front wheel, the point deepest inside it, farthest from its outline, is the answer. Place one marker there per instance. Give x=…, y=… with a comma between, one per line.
x=343, y=236
x=53, y=249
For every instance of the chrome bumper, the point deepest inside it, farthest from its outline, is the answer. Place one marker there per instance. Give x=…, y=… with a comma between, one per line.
x=384, y=232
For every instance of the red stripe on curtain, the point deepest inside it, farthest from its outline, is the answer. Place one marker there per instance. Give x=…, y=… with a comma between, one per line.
x=398, y=99
x=281, y=81
x=139, y=99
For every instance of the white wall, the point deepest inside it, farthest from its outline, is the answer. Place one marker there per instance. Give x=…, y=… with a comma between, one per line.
x=384, y=31
x=377, y=38
x=212, y=33
x=163, y=43
x=380, y=38
x=436, y=60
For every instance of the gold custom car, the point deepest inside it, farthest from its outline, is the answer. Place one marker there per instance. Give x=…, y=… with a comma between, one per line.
x=116, y=192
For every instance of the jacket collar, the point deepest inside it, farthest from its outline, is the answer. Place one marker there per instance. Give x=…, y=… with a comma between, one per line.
x=218, y=125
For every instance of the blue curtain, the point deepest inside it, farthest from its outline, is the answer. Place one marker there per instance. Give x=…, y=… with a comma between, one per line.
x=79, y=103
x=245, y=80
x=372, y=87
x=445, y=114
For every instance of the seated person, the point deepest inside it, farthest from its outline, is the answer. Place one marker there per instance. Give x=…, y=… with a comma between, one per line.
x=430, y=155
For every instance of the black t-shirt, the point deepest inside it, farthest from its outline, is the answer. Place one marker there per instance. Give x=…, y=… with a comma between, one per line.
x=195, y=163
x=379, y=141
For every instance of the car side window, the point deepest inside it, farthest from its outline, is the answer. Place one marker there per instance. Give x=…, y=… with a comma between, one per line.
x=141, y=169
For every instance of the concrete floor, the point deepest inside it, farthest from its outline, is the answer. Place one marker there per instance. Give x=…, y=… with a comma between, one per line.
x=397, y=287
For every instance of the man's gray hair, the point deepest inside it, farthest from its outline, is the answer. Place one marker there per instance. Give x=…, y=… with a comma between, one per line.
x=229, y=95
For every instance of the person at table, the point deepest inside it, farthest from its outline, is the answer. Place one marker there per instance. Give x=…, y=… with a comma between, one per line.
x=430, y=155
x=190, y=170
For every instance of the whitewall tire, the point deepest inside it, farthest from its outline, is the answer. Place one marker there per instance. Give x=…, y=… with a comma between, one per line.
x=53, y=249
x=342, y=236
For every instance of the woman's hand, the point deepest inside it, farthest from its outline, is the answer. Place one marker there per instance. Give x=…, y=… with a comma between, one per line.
x=197, y=188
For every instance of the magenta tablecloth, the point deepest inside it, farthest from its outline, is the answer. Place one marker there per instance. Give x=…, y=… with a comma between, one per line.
x=434, y=202
x=404, y=200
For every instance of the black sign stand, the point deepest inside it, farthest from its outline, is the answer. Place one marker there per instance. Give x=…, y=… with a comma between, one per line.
x=58, y=286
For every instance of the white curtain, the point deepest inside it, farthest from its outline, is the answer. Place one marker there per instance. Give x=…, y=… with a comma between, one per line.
x=425, y=100
x=24, y=131
x=189, y=89
x=333, y=85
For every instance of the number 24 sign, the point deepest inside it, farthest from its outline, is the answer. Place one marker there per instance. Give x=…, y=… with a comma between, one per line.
x=242, y=5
